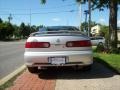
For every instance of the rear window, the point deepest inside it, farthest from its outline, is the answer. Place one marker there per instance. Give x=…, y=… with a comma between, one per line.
x=92, y=38
x=96, y=38
x=59, y=28
x=99, y=38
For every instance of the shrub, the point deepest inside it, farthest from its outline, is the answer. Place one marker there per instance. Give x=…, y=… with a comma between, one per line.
x=100, y=48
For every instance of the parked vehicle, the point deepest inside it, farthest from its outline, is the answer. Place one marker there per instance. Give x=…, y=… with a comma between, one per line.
x=57, y=46
x=97, y=40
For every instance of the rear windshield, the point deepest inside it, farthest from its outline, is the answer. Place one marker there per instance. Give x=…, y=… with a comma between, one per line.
x=58, y=28
x=99, y=37
x=96, y=38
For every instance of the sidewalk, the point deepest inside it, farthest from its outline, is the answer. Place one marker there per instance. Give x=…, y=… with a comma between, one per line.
x=98, y=78
x=32, y=82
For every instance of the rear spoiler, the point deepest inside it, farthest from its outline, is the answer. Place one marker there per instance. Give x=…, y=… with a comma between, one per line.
x=53, y=32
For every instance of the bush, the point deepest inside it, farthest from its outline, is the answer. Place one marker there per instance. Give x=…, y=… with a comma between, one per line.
x=115, y=51
x=100, y=48
x=118, y=42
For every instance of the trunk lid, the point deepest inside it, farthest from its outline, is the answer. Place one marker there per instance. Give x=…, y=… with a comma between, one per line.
x=57, y=42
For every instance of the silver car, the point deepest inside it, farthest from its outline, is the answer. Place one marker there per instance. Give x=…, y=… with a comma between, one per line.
x=56, y=46
x=97, y=40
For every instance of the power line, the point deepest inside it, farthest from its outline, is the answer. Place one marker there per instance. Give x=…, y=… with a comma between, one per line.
x=56, y=12
x=52, y=12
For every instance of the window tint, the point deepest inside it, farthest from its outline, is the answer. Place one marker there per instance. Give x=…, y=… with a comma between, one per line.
x=59, y=28
x=96, y=38
x=99, y=38
x=92, y=38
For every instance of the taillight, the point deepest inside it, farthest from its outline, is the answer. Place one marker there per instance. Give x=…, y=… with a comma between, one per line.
x=37, y=45
x=82, y=43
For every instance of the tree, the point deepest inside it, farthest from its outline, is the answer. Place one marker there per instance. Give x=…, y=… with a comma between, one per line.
x=1, y=21
x=9, y=30
x=21, y=29
x=6, y=30
x=113, y=23
x=40, y=26
x=2, y=31
x=104, y=31
x=27, y=30
x=16, y=32
x=113, y=9
x=24, y=30
x=84, y=25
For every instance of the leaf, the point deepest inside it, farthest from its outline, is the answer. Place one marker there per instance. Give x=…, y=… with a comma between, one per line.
x=43, y=1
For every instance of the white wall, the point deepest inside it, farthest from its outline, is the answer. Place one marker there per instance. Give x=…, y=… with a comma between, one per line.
x=119, y=35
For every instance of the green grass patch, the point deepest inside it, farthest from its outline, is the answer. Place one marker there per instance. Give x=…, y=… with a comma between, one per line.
x=111, y=60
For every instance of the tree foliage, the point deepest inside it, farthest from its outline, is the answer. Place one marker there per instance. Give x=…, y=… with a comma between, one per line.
x=9, y=31
x=112, y=5
x=1, y=21
x=84, y=25
x=6, y=30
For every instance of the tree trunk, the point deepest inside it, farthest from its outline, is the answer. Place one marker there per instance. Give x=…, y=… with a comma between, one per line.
x=113, y=25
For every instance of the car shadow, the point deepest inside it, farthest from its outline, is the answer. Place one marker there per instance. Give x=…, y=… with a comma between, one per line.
x=98, y=71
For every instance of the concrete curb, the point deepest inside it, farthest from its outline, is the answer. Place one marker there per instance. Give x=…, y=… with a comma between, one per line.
x=11, y=75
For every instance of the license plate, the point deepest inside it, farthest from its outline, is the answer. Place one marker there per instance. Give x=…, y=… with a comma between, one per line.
x=57, y=60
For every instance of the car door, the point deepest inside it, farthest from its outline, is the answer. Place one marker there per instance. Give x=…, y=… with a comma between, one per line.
x=94, y=41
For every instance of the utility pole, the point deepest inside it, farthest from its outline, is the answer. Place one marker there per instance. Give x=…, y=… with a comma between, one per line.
x=30, y=17
x=86, y=12
x=10, y=18
x=89, y=24
x=80, y=13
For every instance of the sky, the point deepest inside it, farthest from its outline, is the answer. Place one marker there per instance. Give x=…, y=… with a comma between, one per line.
x=53, y=13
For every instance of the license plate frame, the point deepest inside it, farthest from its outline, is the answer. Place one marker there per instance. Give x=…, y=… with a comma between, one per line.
x=58, y=60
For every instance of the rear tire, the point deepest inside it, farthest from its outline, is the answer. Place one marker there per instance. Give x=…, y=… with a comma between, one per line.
x=33, y=69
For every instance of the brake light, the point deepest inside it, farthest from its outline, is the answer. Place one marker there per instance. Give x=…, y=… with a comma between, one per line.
x=82, y=43
x=37, y=45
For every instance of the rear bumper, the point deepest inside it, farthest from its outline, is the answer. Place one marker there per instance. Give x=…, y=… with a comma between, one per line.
x=40, y=59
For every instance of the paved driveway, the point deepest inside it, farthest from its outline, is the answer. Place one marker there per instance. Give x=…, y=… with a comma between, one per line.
x=99, y=78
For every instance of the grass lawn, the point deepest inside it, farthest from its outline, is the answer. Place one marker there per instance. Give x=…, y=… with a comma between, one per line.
x=111, y=60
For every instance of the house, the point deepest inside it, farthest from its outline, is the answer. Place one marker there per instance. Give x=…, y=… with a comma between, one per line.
x=95, y=30
x=118, y=33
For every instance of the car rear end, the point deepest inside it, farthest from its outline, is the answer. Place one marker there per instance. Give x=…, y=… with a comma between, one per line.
x=57, y=49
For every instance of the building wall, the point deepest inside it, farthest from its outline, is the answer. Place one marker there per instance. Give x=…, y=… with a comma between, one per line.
x=118, y=35
x=95, y=29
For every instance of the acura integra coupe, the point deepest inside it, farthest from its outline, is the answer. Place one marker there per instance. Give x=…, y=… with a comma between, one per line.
x=57, y=46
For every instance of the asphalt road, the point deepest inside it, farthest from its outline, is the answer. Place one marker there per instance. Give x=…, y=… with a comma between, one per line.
x=11, y=57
